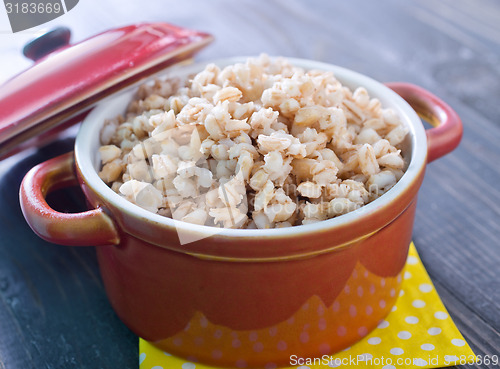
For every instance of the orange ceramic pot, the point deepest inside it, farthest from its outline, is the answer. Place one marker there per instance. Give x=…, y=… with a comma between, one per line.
x=246, y=298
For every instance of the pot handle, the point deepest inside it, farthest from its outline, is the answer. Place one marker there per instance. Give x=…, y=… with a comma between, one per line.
x=89, y=228
x=447, y=129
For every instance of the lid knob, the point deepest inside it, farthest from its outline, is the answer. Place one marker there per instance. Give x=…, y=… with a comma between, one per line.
x=47, y=43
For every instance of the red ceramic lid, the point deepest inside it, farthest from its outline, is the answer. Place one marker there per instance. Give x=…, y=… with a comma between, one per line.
x=59, y=89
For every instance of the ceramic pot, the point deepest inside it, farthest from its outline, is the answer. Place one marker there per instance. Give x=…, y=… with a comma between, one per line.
x=246, y=298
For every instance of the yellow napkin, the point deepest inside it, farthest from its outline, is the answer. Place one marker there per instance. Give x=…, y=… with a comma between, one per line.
x=418, y=333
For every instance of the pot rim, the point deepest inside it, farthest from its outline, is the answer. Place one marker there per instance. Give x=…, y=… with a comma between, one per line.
x=86, y=158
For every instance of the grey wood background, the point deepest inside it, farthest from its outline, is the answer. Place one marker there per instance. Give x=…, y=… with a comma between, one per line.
x=53, y=308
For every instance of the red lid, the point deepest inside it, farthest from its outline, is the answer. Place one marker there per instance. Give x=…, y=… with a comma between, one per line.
x=59, y=89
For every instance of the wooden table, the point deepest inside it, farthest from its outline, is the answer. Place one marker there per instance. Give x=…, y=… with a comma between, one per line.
x=53, y=309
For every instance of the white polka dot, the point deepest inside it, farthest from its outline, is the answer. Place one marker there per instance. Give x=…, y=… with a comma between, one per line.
x=420, y=362
x=157, y=367
x=434, y=331
x=374, y=340
x=369, y=310
x=282, y=346
x=346, y=349
x=411, y=320
x=392, y=292
x=382, y=303
x=399, y=278
x=360, y=291
x=324, y=349
x=188, y=366
x=341, y=330
x=397, y=351
x=322, y=324
x=388, y=366
x=394, y=308
x=166, y=353
x=418, y=303
x=401, y=293
x=336, y=306
x=203, y=322
x=142, y=357
x=352, y=311
x=258, y=347
x=425, y=287
x=321, y=310
x=382, y=282
x=364, y=357
x=404, y=335
x=441, y=315
x=304, y=337
x=347, y=290
x=253, y=336
x=427, y=347
x=362, y=331
x=303, y=367
x=407, y=275
x=450, y=358
x=412, y=260
x=372, y=289
x=458, y=342
x=383, y=324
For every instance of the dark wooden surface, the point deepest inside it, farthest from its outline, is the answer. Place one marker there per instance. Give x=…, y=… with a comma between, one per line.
x=53, y=309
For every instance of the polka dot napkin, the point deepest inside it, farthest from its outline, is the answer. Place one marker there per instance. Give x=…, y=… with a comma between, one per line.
x=418, y=333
